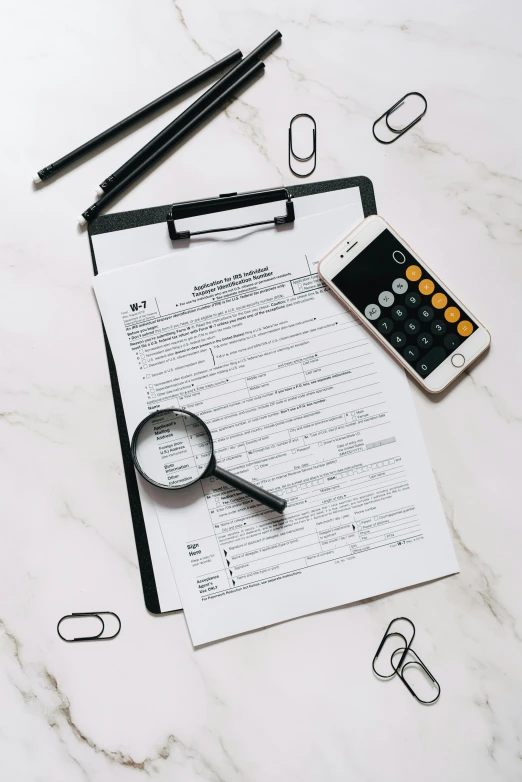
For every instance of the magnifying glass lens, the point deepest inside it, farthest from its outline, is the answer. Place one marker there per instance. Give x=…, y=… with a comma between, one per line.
x=173, y=449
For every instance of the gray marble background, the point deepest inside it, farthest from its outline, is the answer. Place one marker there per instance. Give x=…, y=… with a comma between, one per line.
x=297, y=701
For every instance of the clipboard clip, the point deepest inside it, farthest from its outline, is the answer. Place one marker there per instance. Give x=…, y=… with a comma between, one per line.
x=224, y=203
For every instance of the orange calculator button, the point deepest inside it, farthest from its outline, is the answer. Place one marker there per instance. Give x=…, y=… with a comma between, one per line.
x=426, y=287
x=413, y=273
x=452, y=314
x=439, y=301
x=465, y=328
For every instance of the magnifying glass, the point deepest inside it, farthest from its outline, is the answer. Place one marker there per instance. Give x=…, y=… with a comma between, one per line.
x=172, y=449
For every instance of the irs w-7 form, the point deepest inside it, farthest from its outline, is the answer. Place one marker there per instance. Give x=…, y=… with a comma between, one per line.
x=300, y=400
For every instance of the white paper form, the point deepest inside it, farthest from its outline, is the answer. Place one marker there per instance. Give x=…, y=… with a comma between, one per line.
x=300, y=399
x=118, y=249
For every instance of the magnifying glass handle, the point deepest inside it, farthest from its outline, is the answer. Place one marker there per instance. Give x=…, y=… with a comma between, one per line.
x=256, y=492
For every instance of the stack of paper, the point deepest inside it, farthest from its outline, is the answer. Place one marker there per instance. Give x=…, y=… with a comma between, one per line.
x=300, y=400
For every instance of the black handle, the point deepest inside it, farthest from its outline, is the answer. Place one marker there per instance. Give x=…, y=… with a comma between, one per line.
x=225, y=203
x=256, y=492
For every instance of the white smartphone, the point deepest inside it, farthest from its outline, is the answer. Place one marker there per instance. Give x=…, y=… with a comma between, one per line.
x=405, y=306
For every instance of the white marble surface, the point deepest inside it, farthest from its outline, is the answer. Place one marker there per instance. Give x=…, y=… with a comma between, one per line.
x=297, y=701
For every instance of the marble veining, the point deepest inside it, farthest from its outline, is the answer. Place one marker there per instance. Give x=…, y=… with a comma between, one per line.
x=296, y=701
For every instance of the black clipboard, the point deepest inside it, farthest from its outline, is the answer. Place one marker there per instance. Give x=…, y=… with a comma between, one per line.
x=160, y=214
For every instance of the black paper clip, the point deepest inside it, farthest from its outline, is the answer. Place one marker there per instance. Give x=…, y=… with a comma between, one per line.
x=387, y=635
x=99, y=637
x=418, y=661
x=313, y=153
x=393, y=108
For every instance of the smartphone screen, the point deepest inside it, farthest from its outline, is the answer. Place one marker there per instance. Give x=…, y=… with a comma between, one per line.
x=399, y=298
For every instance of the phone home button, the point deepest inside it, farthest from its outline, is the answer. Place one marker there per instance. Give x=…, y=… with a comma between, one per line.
x=458, y=360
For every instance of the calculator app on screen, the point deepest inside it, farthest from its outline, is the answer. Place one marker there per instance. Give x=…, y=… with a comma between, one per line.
x=400, y=298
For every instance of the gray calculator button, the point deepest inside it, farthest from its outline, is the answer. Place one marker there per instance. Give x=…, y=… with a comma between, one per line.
x=430, y=361
x=386, y=299
x=372, y=311
x=385, y=326
x=425, y=314
x=425, y=340
x=411, y=353
x=399, y=312
x=399, y=285
x=412, y=326
x=451, y=341
x=438, y=327
x=413, y=299
x=398, y=339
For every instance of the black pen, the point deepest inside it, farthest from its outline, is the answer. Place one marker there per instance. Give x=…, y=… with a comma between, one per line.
x=190, y=112
x=150, y=108
x=159, y=152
